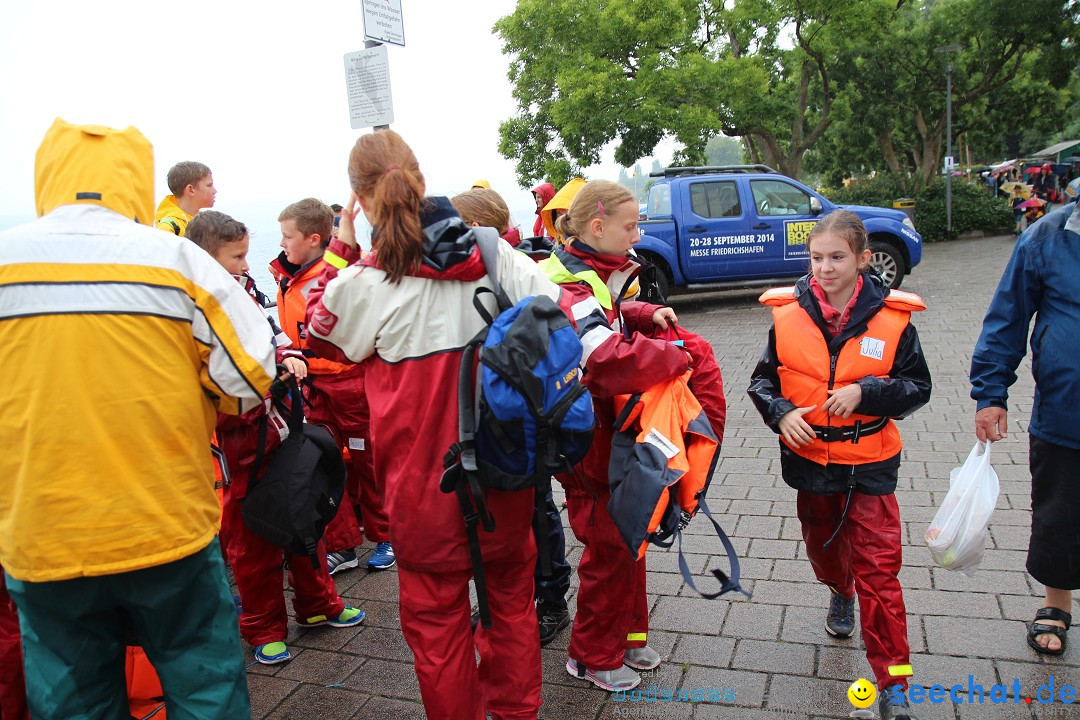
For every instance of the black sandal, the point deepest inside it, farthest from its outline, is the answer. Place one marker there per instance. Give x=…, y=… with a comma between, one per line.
x=1036, y=628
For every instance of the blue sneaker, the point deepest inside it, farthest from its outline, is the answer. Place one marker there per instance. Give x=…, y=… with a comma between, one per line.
x=239, y=605
x=382, y=557
x=342, y=560
x=349, y=617
x=272, y=653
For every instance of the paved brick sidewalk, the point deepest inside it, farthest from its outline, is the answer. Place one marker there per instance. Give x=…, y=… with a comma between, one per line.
x=772, y=651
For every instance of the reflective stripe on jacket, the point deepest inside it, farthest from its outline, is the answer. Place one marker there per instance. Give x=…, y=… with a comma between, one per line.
x=120, y=342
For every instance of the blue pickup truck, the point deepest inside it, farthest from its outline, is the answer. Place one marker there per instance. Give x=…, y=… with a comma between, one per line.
x=738, y=225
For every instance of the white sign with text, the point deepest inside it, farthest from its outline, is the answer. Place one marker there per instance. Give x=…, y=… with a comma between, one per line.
x=383, y=21
x=367, y=79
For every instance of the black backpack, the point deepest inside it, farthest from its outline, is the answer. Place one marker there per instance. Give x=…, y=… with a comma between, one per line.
x=293, y=502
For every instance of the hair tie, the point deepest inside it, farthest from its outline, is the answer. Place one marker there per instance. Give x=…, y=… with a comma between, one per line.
x=600, y=207
x=392, y=167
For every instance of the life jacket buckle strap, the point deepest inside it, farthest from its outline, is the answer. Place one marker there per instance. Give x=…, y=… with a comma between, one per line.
x=852, y=433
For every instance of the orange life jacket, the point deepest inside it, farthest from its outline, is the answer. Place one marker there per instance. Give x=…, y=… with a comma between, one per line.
x=805, y=380
x=292, y=313
x=668, y=417
x=663, y=452
x=145, y=697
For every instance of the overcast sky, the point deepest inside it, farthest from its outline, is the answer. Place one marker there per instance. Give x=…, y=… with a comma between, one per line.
x=256, y=91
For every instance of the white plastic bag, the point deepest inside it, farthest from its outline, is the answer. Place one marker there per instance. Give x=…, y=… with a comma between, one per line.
x=957, y=535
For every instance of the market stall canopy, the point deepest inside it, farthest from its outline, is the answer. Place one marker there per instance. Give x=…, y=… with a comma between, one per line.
x=1057, y=151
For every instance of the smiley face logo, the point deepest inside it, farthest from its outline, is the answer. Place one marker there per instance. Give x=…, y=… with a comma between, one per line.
x=862, y=693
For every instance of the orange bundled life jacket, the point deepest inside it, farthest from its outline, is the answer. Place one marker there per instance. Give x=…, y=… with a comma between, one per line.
x=145, y=697
x=663, y=452
x=807, y=373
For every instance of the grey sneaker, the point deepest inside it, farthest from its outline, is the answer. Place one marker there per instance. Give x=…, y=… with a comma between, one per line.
x=341, y=560
x=891, y=710
x=622, y=678
x=644, y=658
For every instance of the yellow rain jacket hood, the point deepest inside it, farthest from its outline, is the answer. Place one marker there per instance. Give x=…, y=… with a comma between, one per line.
x=560, y=202
x=97, y=165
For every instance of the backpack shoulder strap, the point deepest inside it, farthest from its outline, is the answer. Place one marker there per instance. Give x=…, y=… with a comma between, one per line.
x=487, y=239
x=294, y=413
x=727, y=583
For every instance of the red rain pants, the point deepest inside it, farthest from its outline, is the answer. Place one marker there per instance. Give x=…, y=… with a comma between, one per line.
x=256, y=566
x=864, y=559
x=612, y=607
x=436, y=618
x=12, y=680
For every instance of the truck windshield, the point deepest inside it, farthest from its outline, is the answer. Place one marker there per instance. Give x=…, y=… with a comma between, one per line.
x=775, y=197
x=659, y=200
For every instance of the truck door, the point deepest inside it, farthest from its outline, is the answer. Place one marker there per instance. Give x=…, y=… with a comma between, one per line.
x=716, y=241
x=783, y=210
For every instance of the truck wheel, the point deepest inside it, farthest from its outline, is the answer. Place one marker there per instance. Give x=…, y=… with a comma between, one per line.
x=889, y=263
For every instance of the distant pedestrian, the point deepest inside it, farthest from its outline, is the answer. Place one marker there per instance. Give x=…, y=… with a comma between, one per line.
x=1042, y=280
x=542, y=194
x=1016, y=200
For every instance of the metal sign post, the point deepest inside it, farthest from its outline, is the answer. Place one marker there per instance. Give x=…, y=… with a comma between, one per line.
x=948, y=134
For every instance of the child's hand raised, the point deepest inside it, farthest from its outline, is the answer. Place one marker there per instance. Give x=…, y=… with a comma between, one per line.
x=796, y=430
x=296, y=367
x=347, y=226
x=844, y=401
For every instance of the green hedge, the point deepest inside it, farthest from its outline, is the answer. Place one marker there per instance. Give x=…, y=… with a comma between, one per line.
x=973, y=208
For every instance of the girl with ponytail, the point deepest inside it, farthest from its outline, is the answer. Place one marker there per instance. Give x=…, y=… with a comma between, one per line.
x=408, y=305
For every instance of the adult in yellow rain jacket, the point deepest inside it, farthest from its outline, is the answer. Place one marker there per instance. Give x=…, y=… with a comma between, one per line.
x=119, y=343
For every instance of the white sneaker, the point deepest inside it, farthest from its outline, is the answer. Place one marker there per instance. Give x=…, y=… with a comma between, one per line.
x=622, y=678
x=644, y=658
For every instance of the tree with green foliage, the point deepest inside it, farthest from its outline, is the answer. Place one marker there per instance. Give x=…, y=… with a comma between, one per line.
x=1009, y=74
x=590, y=72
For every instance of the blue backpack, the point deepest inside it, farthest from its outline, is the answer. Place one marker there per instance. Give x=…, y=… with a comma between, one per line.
x=531, y=418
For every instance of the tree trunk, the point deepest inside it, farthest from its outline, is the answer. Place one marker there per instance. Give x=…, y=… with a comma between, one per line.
x=751, y=149
x=885, y=142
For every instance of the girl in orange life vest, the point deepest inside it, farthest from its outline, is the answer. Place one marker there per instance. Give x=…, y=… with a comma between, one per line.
x=594, y=267
x=842, y=360
x=408, y=306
